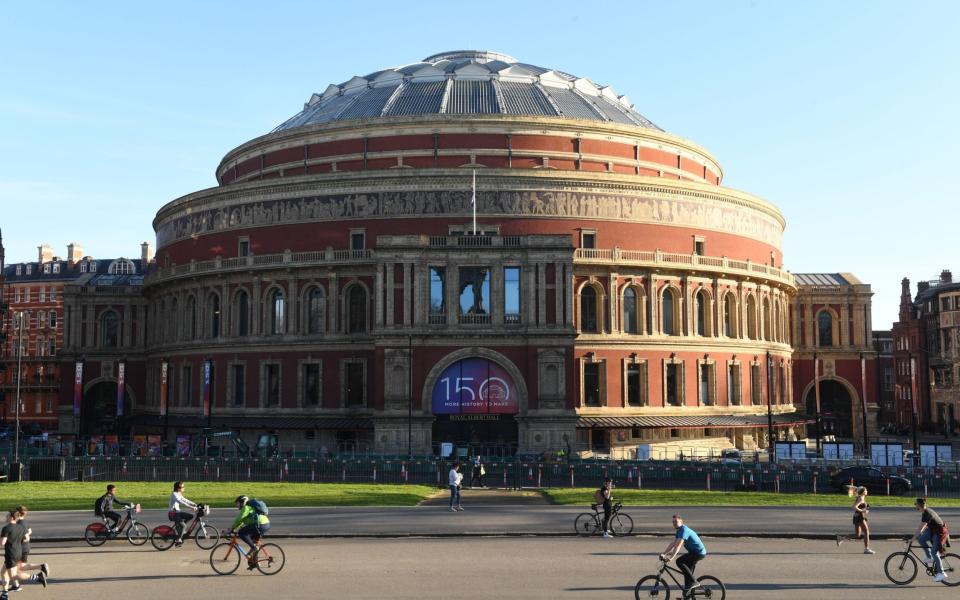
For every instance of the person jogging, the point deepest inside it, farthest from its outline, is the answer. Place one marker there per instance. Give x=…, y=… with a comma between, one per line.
x=860, y=527
x=24, y=564
x=930, y=534
x=696, y=552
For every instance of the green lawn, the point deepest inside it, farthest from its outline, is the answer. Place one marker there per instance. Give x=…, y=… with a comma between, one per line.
x=584, y=496
x=70, y=495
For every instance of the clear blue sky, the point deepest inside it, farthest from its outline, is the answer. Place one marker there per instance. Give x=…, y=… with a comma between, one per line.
x=844, y=114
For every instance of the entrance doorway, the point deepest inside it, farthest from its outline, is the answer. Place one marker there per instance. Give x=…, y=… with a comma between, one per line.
x=98, y=414
x=486, y=435
x=836, y=409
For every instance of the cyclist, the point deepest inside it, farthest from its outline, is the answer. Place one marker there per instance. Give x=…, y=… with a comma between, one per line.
x=931, y=532
x=106, y=506
x=176, y=513
x=250, y=527
x=696, y=552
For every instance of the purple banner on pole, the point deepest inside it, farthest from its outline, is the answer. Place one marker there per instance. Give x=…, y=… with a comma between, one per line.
x=207, y=367
x=77, y=387
x=121, y=368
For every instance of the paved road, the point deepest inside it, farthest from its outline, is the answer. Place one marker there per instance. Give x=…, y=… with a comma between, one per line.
x=475, y=569
x=523, y=520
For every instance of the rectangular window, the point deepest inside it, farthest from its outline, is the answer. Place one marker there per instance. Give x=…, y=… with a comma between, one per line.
x=186, y=386
x=311, y=384
x=511, y=294
x=238, y=379
x=887, y=379
x=591, y=384
x=16, y=295
x=26, y=293
x=475, y=286
x=271, y=385
x=355, y=380
x=674, y=384
x=706, y=385
x=243, y=247
x=588, y=239
x=637, y=384
x=699, y=245
x=357, y=240
x=733, y=385
x=43, y=295
x=756, y=385
x=438, y=291
x=56, y=267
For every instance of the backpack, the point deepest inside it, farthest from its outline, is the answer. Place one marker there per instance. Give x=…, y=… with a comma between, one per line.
x=258, y=506
x=598, y=496
x=98, y=505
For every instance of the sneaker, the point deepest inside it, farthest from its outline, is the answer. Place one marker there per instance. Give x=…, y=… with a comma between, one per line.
x=45, y=569
x=15, y=588
x=606, y=534
x=177, y=544
x=452, y=509
x=840, y=539
x=42, y=578
x=460, y=508
x=940, y=577
x=868, y=551
x=251, y=565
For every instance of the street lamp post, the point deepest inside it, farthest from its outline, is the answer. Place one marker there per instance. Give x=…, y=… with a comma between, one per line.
x=769, y=409
x=863, y=402
x=16, y=433
x=913, y=400
x=410, y=396
x=816, y=386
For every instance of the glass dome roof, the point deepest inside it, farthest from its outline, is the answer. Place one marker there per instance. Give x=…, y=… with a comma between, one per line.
x=467, y=82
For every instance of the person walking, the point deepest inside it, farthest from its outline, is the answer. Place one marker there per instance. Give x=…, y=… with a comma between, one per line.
x=860, y=527
x=696, y=552
x=478, y=471
x=931, y=534
x=24, y=565
x=454, y=479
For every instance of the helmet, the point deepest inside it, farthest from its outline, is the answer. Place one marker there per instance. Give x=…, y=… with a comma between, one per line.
x=240, y=500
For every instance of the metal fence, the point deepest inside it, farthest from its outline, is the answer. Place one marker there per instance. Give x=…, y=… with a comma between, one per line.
x=782, y=478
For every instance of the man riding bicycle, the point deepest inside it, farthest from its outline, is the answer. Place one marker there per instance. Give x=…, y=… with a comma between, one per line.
x=696, y=552
x=250, y=527
x=176, y=513
x=105, y=505
x=931, y=534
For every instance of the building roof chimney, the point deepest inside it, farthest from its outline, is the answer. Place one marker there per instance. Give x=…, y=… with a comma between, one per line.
x=922, y=286
x=146, y=255
x=44, y=253
x=946, y=276
x=74, y=253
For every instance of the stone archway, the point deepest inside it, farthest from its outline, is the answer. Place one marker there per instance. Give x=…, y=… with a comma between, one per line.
x=839, y=408
x=98, y=411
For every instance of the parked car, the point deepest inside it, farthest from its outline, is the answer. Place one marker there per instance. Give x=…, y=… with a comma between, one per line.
x=731, y=456
x=872, y=478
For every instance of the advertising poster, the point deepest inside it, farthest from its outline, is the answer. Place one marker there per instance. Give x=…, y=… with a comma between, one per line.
x=95, y=445
x=77, y=387
x=139, y=445
x=164, y=366
x=207, y=368
x=121, y=376
x=153, y=445
x=183, y=445
x=475, y=386
x=112, y=445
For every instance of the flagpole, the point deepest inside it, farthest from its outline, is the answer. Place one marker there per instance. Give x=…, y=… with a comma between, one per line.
x=473, y=201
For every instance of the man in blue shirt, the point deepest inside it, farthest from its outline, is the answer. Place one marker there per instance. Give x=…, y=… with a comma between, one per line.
x=696, y=551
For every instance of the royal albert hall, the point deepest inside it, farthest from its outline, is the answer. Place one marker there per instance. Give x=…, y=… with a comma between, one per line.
x=335, y=289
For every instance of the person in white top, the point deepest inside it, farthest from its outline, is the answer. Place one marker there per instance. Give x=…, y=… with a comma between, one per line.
x=176, y=512
x=454, y=479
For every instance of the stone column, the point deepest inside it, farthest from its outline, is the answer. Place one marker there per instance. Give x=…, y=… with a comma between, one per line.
x=257, y=308
x=846, y=337
x=334, y=302
x=407, y=292
x=613, y=312
x=541, y=294
x=530, y=295
x=652, y=305
x=385, y=282
x=496, y=300
x=558, y=293
x=125, y=337
x=808, y=326
x=292, y=320
x=568, y=291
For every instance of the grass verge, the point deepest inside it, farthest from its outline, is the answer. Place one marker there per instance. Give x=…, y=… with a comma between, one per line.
x=703, y=498
x=54, y=495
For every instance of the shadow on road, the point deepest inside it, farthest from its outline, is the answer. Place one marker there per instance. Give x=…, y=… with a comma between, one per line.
x=59, y=580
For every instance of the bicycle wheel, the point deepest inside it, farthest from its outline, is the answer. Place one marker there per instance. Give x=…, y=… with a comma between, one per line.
x=162, y=537
x=137, y=534
x=900, y=568
x=951, y=566
x=207, y=537
x=224, y=558
x=270, y=559
x=710, y=587
x=621, y=524
x=95, y=534
x=586, y=524
x=651, y=586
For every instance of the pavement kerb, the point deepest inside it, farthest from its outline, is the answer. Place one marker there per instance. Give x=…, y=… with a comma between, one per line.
x=514, y=534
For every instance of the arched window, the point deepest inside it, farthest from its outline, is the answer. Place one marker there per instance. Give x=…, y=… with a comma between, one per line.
x=356, y=310
x=158, y=328
x=122, y=266
x=668, y=313
x=751, y=318
x=277, y=312
x=700, y=306
x=630, y=322
x=191, y=328
x=316, y=313
x=588, y=310
x=729, y=312
x=214, y=304
x=109, y=329
x=242, y=312
x=825, y=328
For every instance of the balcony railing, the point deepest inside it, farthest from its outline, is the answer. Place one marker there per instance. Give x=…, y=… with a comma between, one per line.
x=474, y=319
x=656, y=258
x=320, y=257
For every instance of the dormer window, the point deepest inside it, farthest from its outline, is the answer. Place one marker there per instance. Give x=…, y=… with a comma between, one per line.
x=83, y=267
x=19, y=269
x=46, y=268
x=93, y=267
x=56, y=267
x=122, y=266
x=29, y=269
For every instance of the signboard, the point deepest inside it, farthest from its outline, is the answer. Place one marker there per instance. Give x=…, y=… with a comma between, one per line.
x=446, y=449
x=790, y=450
x=77, y=387
x=474, y=386
x=931, y=454
x=121, y=375
x=887, y=455
x=207, y=367
x=164, y=365
x=643, y=452
x=837, y=451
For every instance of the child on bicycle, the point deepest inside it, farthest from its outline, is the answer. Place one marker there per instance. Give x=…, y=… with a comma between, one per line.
x=250, y=527
x=176, y=513
x=696, y=552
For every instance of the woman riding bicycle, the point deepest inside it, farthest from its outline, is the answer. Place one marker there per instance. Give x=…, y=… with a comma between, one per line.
x=176, y=513
x=250, y=527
